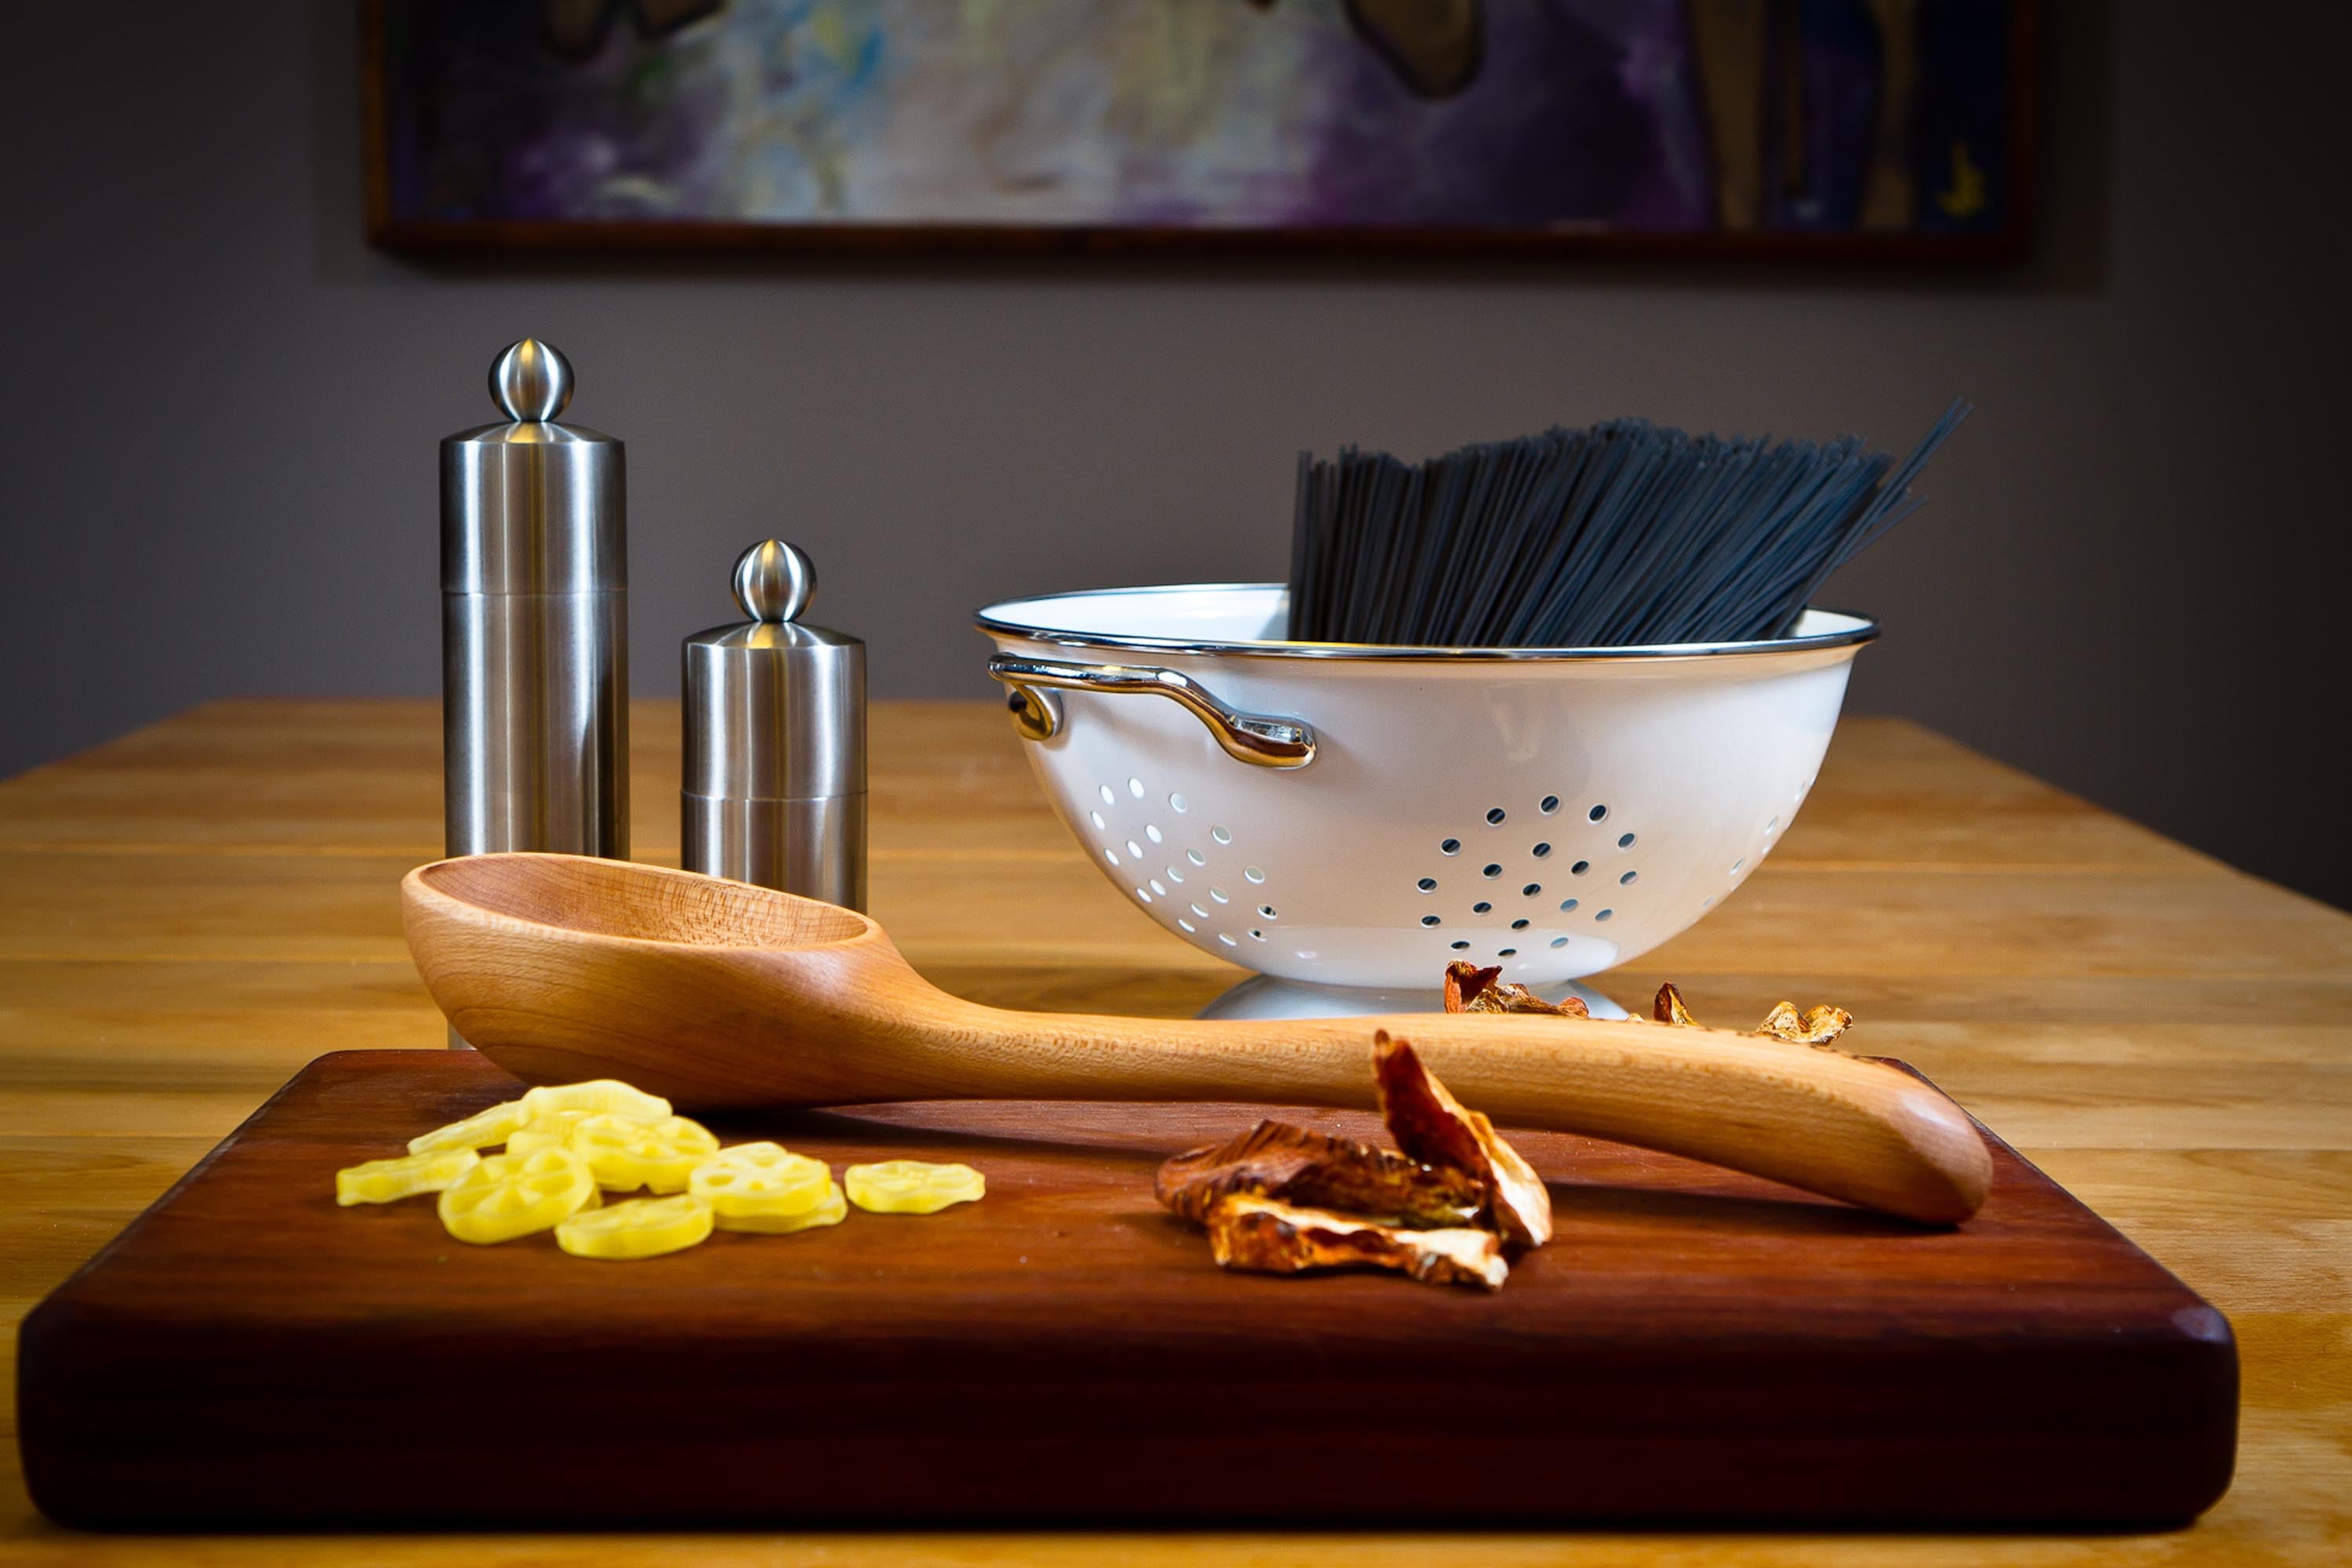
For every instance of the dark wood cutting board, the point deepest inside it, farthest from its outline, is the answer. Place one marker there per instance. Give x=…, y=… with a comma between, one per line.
x=1694, y=1346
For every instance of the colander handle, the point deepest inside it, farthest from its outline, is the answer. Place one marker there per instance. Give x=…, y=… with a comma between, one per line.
x=1252, y=737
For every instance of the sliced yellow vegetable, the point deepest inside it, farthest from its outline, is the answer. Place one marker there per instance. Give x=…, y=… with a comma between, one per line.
x=389, y=1180
x=482, y=1130
x=596, y=1095
x=831, y=1209
x=764, y=1187
x=630, y=1152
x=551, y=1130
x=508, y=1196
x=642, y=1227
x=911, y=1186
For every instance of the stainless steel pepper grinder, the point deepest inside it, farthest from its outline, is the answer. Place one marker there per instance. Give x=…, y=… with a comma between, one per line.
x=535, y=624
x=775, y=740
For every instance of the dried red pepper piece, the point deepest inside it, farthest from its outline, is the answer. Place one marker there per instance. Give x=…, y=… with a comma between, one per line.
x=1436, y=1129
x=1470, y=989
x=1816, y=1027
x=1266, y=1234
x=1316, y=1170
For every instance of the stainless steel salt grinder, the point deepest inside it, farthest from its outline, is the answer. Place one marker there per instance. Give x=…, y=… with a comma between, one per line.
x=775, y=740
x=535, y=624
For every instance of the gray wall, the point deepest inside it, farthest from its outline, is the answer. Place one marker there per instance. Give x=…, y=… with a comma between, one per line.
x=216, y=467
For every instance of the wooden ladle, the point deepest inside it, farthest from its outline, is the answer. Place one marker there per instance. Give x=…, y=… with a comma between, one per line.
x=719, y=994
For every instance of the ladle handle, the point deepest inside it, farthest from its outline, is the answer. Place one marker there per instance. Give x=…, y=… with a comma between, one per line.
x=1814, y=1118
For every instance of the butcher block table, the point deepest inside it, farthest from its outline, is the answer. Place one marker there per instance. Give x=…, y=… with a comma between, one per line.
x=190, y=914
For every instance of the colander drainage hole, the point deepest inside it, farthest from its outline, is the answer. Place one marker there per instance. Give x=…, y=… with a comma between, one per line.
x=1135, y=788
x=1604, y=914
x=1491, y=870
x=1737, y=864
x=1267, y=911
x=1518, y=925
x=1495, y=817
x=1429, y=919
x=1143, y=896
x=1507, y=953
x=1195, y=856
x=1135, y=849
x=1531, y=890
x=1108, y=798
x=1427, y=884
x=1198, y=911
x=1227, y=937
x=1219, y=894
x=1461, y=947
x=1153, y=834
x=1220, y=836
x=1482, y=908
x=1451, y=846
x=1627, y=880
x=1174, y=874
x=1567, y=906
x=1598, y=814
x=1097, y=818
x=1624, y=841
x=1580, y=868
x=1549, y=804
x=1111, y=855
x=1556, y=942
x=1186, y=926
x=1253, y=874
x=1157, y=888
x=1178, y=803
x=1257, y=936
x=1542, y=851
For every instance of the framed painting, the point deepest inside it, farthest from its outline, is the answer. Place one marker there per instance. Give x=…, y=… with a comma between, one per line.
x=1895, y=127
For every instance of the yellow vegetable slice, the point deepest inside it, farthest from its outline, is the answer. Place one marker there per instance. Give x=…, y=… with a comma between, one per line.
x=764, y=1187
x=911, y=1186
x=642, y=1227
x=482, y=1130
x=630, y=1152
x=831, y=1209
x=508, y=1196
x=552, y=1129
x=389, y=1180
x=600, y=1094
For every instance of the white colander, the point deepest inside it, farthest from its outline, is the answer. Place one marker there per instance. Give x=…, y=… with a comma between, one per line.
x=1359, y=816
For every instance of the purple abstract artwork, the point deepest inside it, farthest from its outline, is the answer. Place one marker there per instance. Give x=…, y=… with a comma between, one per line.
x=1477, y=117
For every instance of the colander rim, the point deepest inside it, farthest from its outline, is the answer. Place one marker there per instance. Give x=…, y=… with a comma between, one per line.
x=1861, y=629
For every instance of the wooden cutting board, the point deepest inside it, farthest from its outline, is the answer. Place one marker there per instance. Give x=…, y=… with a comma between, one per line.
x=1695, y=1346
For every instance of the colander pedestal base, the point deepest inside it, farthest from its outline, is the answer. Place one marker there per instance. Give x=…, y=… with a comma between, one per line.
x=1270, y=997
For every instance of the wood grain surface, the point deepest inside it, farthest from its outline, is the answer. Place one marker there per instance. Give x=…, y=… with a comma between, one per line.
x=1696, y=1346
x=191, y=913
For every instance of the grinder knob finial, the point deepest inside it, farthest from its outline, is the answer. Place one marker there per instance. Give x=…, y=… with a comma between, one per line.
x=531, y=380
x=773, y=581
